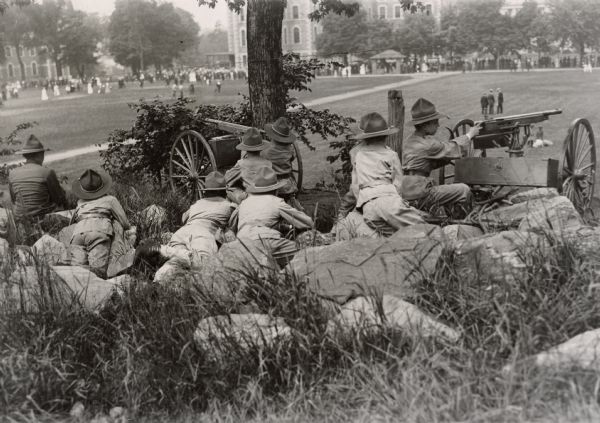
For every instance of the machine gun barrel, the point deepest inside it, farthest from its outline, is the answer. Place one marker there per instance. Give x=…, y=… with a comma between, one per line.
x=517, y=120
x=232, y=128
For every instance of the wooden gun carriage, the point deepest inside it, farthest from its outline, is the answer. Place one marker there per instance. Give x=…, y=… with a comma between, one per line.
x=573, y=175
x=193, y=157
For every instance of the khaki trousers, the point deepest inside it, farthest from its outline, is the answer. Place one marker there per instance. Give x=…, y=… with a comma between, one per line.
x=389, y=213
x=91, y=249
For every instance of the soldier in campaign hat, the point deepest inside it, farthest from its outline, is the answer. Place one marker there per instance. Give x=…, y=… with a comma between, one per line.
x=422, y=153
x=240, y=176
x=34, y=189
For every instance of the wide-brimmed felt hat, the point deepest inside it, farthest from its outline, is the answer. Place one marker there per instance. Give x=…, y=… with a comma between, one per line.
x=32, y=145
x=92, y=184
x=280, y=131
x=374, y=125
x=252, y=141
x=424, y=111
x=214, y=181
x=265, y=181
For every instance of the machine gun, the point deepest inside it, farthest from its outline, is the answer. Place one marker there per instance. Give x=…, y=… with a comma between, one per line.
x=505, y=131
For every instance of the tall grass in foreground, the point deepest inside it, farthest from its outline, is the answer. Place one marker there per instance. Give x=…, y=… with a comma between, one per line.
x=138, y=352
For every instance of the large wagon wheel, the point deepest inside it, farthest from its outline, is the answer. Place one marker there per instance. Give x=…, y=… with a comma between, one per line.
x=461, y=128
x=578, y=165
x=297, y=170
x=190, y=161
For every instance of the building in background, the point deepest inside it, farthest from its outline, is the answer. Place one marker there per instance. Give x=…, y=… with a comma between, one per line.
x=512, y=7
x=37, y=65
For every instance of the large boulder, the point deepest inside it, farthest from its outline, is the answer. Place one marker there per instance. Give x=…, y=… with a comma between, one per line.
x=222, y=333
x=583, y=240
x=552, y=212
x=66, y=234
x=499, y=257
x=454, y=233
x=555, y=214
x=420, y=230
x=50, y=250
x=365, y=266
x=533, y=194
x=369, y=313
x=34, y=287
x=582, y=351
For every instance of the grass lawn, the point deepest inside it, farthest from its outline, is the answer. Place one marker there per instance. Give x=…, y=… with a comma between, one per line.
x=83, y=120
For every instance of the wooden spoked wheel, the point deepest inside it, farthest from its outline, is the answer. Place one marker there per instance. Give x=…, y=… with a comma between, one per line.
x=461, y=128
x=297, y=170
x=578, y=167
x=190, y=161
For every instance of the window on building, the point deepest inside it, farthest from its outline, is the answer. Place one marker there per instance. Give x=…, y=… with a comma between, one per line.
x=32, y=52
x=242, y=16
x=382, y=12
x=243, y=37
x=397, y=11
x=7, y=51
x=284, y=35
x=11, y=71
x=244, y=60
x=315, y=31
x=296, y=35
x=428, y=9
x=295, y=12
x=34, y=69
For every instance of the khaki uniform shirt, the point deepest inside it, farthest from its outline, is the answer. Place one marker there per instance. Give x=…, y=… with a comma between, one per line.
x=97, y=215
x=244, y=171
x=424, y=154
x=35, y=190
x=208, y=215
x=376, y=172
x=259, y=215
x=281, y=156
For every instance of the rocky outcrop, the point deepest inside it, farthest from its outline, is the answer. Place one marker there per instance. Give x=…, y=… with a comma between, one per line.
x=365, y=266
x=371, y=314
x=51, y=251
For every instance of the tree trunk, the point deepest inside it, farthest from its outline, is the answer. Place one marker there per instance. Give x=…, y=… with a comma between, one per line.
x=58, y=66
x=265, y=66
x=21, y=64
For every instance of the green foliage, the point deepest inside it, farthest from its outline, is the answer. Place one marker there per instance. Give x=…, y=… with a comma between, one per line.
x=576, y=22
x=145, y=33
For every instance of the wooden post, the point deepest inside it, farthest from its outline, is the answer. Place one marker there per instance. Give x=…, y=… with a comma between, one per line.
x=396, y=118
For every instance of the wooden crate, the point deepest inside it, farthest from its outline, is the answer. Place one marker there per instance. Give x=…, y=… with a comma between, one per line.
x=223, y=147
x=505, y=171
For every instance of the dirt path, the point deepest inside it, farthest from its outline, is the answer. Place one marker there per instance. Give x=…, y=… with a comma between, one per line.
x=415, y=79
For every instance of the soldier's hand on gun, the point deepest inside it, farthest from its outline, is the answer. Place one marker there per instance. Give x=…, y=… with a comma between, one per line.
x=474, y=131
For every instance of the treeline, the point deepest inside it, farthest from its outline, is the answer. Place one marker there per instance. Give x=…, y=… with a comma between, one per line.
x=138, y=34
x=467, y=27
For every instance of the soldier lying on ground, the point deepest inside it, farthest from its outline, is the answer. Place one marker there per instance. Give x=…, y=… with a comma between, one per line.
x=196, y=240
x=259, y=216
x=94, y=217
x=242, y=175
x=422, y=153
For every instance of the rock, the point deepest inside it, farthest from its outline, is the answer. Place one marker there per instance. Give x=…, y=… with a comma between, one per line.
x=118, y=414
x=154, y=216
x=459, y=232
x=77, y=410
x=4, y=223
x=50, y=250
x=244, y=330
x=582, y=351
x=362, y=266
x=352, y=226
x=364, y=313
x=314, y=239
x=120, y=263
x=100, y=418
x=584, y=240
x=556, y=214
x=37, y=286
x=66, y=234
x=24, y=256
x=531, y=214
x=421, y=230
x=533, y=194
x=499, y=257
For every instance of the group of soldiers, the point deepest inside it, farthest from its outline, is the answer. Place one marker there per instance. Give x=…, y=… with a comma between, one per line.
x=256, y=198
x=491, y=103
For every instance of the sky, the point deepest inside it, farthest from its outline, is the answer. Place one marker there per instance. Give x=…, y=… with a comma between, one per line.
x=205, y=16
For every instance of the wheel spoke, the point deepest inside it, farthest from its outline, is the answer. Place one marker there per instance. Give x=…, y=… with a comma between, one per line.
x=581, y=157
x=184, y=159
x=175, y=162
x=188, y=155
x=192, y=147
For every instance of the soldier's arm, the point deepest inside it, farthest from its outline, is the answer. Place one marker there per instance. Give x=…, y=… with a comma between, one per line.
x=56, y=192
x=296, y=218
